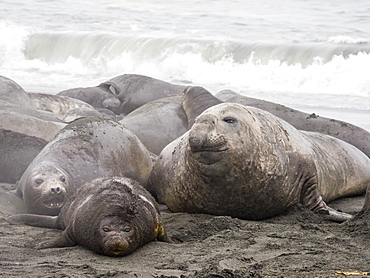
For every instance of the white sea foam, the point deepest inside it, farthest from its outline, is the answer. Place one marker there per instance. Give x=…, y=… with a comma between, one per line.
x=264, y=51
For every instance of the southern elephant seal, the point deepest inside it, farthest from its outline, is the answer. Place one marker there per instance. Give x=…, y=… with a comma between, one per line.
x=11, y=92
x=65, y=108
x=111, y=216
x=124, y=93
x=247, y=163
x=85, y=149
x=22, y=137
x=347, y=132
x=157, y=123
x=100, y=97
x=135, y=90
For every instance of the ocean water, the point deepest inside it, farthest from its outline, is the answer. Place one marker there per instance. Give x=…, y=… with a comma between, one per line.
x=301, y=53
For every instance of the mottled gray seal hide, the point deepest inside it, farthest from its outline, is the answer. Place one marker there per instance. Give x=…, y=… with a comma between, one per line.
x=347, y=132
x=111, y=216
x=85, y=149
x=157, y=123
x=245, y=162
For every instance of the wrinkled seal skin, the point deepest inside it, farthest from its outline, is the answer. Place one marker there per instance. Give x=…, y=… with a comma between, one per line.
x=124, y=93
x=347, y=132
x=112, y=216
x=245, y=162
x=86, y=149
x=157, y=123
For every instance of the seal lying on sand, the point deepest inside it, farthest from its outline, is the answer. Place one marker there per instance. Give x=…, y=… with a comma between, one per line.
x=347, y=132
x=86, y=149
x=124, y=93
x=245, y=162
x=111, y=216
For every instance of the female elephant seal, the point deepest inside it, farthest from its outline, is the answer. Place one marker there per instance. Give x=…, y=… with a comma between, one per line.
x=245, y=162
x=111, y=216
x=86, y=149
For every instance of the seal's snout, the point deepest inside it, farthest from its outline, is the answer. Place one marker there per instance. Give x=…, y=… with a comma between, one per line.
x=203, y=135
x=55, y=189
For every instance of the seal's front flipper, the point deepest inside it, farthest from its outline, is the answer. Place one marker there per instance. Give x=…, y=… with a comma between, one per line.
x=44, y=221
x=62, y=240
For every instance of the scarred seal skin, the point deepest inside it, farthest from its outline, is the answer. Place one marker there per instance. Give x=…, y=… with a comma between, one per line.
x=244, y=162
x=112, y=216
x=352, y=134
x=86, y=149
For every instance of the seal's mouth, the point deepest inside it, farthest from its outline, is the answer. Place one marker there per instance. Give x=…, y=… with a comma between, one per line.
x=118, y=248
x=55, y=202
x=209, y=156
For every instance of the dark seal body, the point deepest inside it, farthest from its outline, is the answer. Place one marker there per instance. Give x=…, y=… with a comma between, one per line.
x=86, y=149
x=111, y=216
x=245, y=162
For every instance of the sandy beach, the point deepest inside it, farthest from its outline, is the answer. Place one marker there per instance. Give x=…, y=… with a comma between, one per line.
x=297, y=243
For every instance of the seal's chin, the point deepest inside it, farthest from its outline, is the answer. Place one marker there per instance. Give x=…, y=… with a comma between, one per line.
x=54, y=202
x=117, y=248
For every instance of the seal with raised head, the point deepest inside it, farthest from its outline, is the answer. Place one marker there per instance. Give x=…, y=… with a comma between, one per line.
x=159, y=122
x=111, y=216
x=352, y=134
x=85, y=149
x=245, y=162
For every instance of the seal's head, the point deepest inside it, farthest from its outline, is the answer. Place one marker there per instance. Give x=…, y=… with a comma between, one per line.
x=47, y=189
x=118, y=237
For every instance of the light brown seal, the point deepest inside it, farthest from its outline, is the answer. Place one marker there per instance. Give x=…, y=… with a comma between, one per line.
x=245, y=162
x=111, y=216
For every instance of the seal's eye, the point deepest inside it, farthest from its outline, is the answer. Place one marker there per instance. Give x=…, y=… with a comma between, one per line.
x=62, y=179
x=105, y=229
x=127, y=229
x=229, y=120
x=39, y=181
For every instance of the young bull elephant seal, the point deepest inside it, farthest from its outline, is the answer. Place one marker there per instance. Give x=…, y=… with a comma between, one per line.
x=244, y=162
x=111, y=216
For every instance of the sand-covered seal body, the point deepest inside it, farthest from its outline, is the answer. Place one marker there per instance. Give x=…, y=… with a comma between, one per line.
x=244, y=162
x=86, y=149
x=111, y=216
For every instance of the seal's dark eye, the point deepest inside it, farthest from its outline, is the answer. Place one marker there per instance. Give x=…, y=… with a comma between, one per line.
x=127, y=229
x=62, y=179
x=106, y=230
x=229, y=120
x=39, y=181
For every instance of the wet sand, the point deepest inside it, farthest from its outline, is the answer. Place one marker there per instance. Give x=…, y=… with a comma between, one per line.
x=297, y=243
